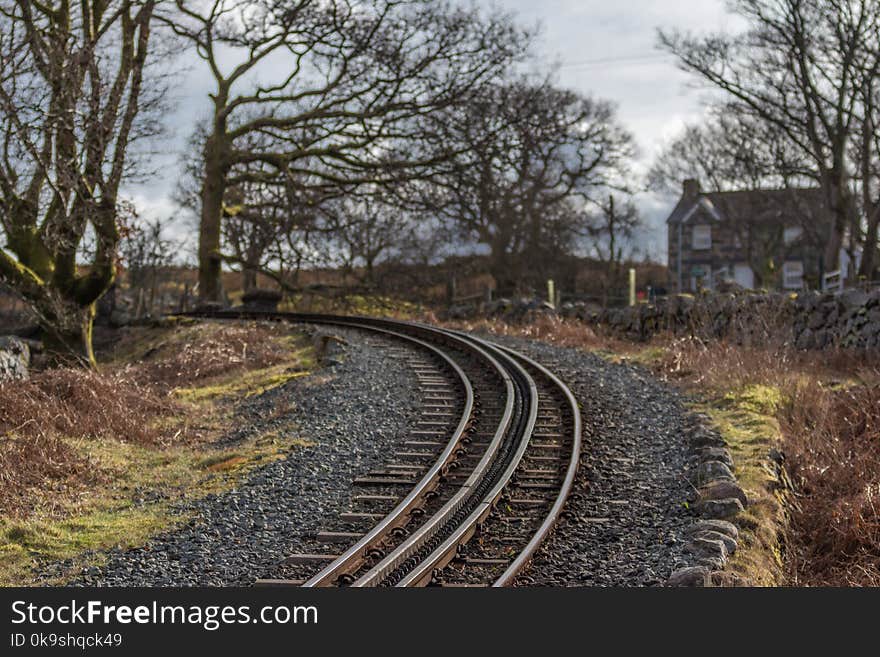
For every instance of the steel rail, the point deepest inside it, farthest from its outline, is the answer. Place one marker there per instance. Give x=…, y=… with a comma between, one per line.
x=521, y=409
x=464, y=496
x=550, y=520
x=328, y=574
x=444, y=553
x=357, y=554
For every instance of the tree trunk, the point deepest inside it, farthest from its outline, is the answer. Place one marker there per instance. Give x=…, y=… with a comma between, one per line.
x=831, y=257
x=506, y=281
x=67, y=329
x=838, y=204
x=249, y=278
x=869, y=252
x=213, y=189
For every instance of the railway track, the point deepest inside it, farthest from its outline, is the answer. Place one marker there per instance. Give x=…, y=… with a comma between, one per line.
x=479, y=484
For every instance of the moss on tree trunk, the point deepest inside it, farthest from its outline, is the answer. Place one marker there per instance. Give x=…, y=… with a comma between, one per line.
x=67, y=332
x=68, y=187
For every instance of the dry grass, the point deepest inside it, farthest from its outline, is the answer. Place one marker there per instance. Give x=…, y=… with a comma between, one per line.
x=43, y=419
x=825, y=408
x=30, y=464
x=205, y=351
x=83, y=404
x=547, y=328
x=720, y=364
x=833, y=444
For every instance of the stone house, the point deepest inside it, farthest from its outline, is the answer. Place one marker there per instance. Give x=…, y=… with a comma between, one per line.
x=757, y=239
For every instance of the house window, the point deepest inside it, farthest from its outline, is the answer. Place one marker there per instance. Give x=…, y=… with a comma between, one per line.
x=702, y=238
x=793, y=275
x=792, y=234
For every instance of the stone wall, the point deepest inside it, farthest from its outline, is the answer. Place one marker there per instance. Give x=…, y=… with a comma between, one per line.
x=807, y=320
x=15, y=356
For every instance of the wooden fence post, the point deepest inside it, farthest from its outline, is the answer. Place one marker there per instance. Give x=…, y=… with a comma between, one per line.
x=451, y=291
x=632, y=287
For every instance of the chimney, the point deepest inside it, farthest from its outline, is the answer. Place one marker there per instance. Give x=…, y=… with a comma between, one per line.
x=691, y=188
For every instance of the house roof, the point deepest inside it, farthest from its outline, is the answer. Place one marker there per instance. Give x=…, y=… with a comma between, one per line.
x=785, y=205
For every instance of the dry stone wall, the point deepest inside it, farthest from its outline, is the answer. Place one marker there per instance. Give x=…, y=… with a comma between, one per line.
x=807, y=320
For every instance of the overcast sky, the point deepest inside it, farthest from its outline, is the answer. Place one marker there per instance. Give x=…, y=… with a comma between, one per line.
x=605, y=48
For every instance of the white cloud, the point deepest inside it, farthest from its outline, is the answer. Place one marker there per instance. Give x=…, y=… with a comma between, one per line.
x=152, y=206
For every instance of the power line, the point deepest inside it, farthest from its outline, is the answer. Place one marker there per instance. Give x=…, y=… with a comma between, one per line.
x=625, y=60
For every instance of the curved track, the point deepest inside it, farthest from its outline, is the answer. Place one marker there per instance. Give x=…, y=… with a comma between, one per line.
x=495, y=455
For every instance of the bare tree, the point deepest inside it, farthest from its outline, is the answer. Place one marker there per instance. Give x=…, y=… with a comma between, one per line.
x=729, y=152
x=272, y=223
x=866, y=155
x=368, y=229
x=266, y=223
x=801, y=67
x=71, y=95
x=250, y=231
x=527, y=149
x=352, y=79
x=146, y=253
x=610, y=232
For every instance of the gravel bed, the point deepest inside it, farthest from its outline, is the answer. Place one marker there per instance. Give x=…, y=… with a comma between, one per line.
x=626, y=516
x=355, y=412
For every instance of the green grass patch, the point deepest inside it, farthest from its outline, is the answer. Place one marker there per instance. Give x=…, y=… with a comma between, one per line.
x=135, y=504
x=248, y=384
x=23, y=544
x=747, y=420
